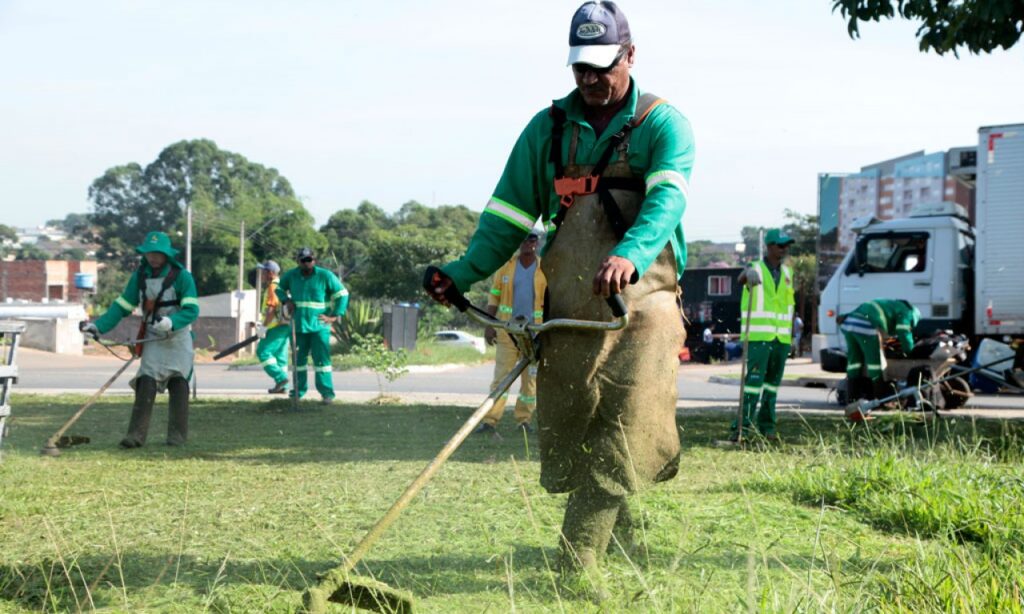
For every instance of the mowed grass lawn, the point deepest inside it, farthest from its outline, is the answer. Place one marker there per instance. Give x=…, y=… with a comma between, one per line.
x=899, y=518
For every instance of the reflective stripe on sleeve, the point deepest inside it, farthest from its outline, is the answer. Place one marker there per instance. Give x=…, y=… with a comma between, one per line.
x=124, y=304
x=339, y=294
x=509, y=213
x=190, y=300
x=669, y=177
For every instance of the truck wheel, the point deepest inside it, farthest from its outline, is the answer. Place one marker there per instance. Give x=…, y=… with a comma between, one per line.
x=956, y=392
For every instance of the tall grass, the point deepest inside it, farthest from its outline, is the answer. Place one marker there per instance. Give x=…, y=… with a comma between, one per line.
x=900, y=517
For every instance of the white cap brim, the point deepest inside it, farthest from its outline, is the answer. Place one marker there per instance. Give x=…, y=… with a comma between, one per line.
x=600, y=56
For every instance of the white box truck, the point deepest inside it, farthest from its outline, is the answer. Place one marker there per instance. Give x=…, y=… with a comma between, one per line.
x=964, y=278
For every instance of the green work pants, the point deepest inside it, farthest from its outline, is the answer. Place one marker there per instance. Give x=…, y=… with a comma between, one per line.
x=272, y=351
x=766, y=361
x=863, y=352
x=319, y=344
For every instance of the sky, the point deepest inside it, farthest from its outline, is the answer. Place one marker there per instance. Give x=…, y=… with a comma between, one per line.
x=400, y=100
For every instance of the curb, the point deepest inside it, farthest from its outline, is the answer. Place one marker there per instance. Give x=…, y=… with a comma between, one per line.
x=800, y=382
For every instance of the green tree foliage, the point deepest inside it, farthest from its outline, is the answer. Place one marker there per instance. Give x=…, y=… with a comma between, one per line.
x=111, y=280
x=30, y=252
x=383, y=256
x=802, y=227
x=224, y=190
x=945, y=25
x=385, y=363
x=7, y=233
x=74, y=224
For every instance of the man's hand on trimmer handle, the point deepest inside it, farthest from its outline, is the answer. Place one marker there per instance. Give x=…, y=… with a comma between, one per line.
x=614, y=274
x=442, y=289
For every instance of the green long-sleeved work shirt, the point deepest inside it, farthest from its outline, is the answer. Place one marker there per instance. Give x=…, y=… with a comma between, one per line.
x=184, y=289
x=320, y=293
x=661, y=151
x=892, y=318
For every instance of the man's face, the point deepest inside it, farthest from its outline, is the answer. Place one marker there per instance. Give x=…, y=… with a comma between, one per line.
x=156, y=260
x=600, y=87
x=307, y=264
x=777, y=252
x=529, y=245
x=267, y=276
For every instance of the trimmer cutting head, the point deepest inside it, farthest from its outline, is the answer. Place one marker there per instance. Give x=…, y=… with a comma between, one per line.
x=858, y=411
x=363, y=593
x=52, y=448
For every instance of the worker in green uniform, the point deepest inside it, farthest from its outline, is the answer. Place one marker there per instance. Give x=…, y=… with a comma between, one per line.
x=167, y=294
x=769, y=333
x=316, y=299
x=606, y=169
x=866, y=329
x=275, y=335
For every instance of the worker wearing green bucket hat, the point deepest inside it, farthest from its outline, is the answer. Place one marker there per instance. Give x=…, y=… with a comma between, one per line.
x=166, y=294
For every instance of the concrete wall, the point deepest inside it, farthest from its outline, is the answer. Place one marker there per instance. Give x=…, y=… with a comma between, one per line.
x=211, y=333
x=58, y=335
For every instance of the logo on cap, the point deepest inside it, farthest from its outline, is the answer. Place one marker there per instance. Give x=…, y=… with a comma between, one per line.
x=591, y=29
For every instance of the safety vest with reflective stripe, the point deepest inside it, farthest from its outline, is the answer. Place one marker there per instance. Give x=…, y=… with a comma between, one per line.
x=771, y=316
x=502, y=290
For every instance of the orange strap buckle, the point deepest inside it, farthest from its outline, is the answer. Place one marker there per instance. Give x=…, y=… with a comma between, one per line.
x=570, y=187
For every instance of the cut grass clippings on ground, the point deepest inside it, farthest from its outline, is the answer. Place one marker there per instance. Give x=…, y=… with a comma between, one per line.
x=264, y=498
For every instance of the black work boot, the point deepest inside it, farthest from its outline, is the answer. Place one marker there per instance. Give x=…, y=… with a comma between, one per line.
x=142, y=411
x=177, y=415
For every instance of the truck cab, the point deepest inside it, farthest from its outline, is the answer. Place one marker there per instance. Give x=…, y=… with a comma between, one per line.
x=925, y=259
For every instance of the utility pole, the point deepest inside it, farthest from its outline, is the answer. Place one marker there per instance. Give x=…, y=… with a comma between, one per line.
x=188, y=238
x=240, y=294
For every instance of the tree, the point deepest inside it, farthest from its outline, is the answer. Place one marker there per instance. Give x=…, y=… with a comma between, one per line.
x=8, y=234
x=804, y=229
x=74, y=224
x=383, y=256
x=945, y=25
x=224, y=190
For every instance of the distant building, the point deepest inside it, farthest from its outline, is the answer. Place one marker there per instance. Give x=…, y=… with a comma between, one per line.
x=711, y=294
x=887, y=190
x=44, y=280
x=31, y=236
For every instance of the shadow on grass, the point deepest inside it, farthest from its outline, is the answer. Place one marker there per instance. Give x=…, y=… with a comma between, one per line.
x=272, y=432
x=96, y=582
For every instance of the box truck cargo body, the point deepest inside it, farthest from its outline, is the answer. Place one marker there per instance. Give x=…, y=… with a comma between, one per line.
x=968, y=279
x=999, y=254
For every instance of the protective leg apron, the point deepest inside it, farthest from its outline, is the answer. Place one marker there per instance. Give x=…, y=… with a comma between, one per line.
x=607, y=400
x=166, y=365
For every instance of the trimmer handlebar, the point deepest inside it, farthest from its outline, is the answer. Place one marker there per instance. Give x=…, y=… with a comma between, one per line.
x=434, y=277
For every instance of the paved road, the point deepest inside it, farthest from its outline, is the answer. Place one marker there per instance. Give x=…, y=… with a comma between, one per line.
x=46, y=373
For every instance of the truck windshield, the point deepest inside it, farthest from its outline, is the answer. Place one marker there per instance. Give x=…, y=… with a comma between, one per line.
x=897, y=252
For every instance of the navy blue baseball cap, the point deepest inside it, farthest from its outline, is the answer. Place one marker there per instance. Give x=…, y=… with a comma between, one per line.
x=598, y=31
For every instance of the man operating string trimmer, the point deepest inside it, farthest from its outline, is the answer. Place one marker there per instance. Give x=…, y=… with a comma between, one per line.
x=167, y=294
x=607, y=168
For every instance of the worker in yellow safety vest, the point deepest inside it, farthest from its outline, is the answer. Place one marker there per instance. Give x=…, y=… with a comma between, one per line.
x=769, y=332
